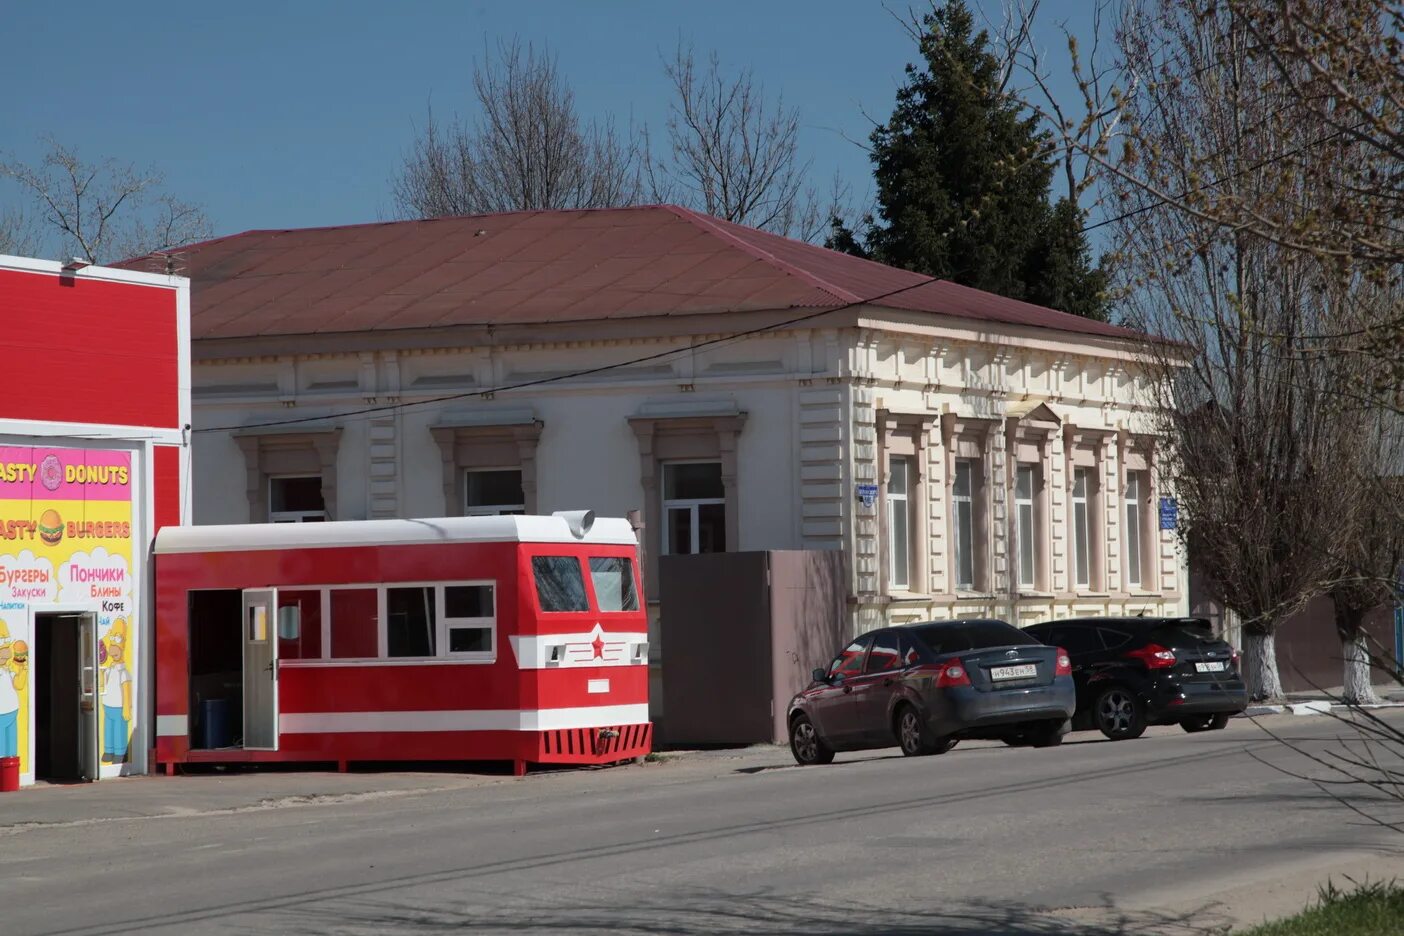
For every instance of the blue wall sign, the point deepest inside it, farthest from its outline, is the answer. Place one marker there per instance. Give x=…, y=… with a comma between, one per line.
x=867, y=493
x=1169, y=513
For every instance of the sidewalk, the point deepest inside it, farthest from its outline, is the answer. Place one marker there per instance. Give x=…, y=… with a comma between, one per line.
x=157, y=797
x=1319, y=702
x=239, y=790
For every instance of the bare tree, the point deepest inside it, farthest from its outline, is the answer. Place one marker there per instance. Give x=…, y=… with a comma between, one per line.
x=105, y=210
x=736, y=155
x=1092, y=121
x=1367, y=548
x=1255, y=415
x=18, y=235
x=527, y=149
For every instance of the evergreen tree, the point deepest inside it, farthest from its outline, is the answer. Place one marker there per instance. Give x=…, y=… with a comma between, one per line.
x=963, y=174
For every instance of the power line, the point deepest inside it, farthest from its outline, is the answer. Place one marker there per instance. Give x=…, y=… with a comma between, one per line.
x=587, y=372
x=1162, y=201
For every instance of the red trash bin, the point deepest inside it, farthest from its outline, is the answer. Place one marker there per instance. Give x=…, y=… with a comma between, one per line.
x=9, y=774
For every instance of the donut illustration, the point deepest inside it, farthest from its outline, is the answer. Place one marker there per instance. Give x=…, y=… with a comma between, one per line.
x=51, y=472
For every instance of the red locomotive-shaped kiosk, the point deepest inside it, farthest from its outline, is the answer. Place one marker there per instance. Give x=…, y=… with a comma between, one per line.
x=516, y=638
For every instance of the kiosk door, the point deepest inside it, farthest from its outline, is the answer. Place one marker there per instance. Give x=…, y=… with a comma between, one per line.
x=261, y=669
x=89, y=746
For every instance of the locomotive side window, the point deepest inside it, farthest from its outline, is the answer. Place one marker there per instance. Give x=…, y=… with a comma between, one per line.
x=354, y=625
x=468, y=618
x=409, y=622
x=559, y=583
x=613, y=578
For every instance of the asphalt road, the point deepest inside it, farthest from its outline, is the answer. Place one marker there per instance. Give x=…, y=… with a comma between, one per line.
x=983, y=839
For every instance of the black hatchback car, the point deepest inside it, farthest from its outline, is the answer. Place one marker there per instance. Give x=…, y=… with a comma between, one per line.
x=1134, y=672
x=923, y=687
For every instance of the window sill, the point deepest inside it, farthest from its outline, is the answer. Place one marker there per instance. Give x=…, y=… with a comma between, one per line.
x=1034, y=593
x=906, y=597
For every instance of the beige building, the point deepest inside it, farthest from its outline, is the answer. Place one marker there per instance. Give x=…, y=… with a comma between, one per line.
x=971, y=455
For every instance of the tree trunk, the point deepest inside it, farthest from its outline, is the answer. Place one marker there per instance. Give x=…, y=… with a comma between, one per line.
x=1358, y=689
x=1260, y=665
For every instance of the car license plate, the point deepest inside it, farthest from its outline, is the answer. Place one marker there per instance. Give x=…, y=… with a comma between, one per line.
x=1210, y=667
x=1014, y=672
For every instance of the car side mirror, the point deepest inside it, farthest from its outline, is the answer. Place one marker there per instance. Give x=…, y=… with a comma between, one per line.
x=820, y=674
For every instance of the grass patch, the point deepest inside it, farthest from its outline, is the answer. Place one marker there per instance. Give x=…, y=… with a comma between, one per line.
x=653, y=757
x=1369, y=910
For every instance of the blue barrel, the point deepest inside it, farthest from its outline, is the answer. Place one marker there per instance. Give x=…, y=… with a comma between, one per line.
x=214, y=725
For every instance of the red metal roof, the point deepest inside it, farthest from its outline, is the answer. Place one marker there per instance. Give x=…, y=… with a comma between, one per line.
x=547, y=266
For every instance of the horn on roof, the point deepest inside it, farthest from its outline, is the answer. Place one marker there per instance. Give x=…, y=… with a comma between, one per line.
x=579, y=521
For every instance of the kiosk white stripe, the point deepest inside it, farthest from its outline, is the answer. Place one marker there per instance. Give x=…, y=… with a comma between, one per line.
x=590, y=716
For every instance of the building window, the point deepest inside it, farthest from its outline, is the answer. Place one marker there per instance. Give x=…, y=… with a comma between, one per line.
x=963, y=497
x=493, y=492
x=694, y=508
x=899, y=521
x=1082, y=542
x=1136, y=488
x=1024, y=524
x=296, y=499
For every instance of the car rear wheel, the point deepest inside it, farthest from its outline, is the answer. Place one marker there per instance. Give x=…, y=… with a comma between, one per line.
x=1205, y=723
x=809, y=749
x=1038, y=735
x=1119, y=714
x=1048, y=735
x=914, y=735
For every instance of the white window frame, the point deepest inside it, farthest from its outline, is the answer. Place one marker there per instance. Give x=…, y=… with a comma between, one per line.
x=293, y=516
x=963, y=548
x=1081, y=532
x=691, y=504
x=900, y=502
x=1135, y=530
x=441, y=626
x=1026, y=533
x=446, y=623
x=490, y=510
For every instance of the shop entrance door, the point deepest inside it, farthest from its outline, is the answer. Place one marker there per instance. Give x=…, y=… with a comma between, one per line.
x=260, y=669
x=66, y=697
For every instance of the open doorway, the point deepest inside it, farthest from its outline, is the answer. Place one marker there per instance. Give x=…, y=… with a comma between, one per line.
x=216, y=669
x=65, y=698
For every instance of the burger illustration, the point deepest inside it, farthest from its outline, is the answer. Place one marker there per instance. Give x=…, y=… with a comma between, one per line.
x=50, y=527
x=21, y=652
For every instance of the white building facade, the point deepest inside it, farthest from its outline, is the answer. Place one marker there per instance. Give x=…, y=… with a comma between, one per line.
x=1014, y=469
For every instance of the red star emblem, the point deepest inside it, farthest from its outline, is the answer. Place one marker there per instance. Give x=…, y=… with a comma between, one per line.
x=598, y=644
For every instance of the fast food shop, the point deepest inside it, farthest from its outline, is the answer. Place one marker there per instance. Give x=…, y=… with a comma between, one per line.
x=94, y=458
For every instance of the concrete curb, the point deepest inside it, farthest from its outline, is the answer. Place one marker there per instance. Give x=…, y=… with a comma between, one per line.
x=1314, y=707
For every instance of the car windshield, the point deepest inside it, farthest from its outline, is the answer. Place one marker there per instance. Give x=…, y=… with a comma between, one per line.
x=958, y=636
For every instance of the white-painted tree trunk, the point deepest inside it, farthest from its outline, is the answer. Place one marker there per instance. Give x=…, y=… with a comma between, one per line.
x=1260, y=666
x=1358, y=689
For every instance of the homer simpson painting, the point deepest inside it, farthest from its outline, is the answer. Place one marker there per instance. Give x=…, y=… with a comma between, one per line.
x=116, y=692
x=14, y=675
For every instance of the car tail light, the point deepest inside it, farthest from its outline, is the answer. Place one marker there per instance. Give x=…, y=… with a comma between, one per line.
x=1234, y=658
x=1154, y=656
x=1064, y=664
x=952, y=674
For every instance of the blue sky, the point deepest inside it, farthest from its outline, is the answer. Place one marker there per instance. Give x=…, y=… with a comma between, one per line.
x=296, y=114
